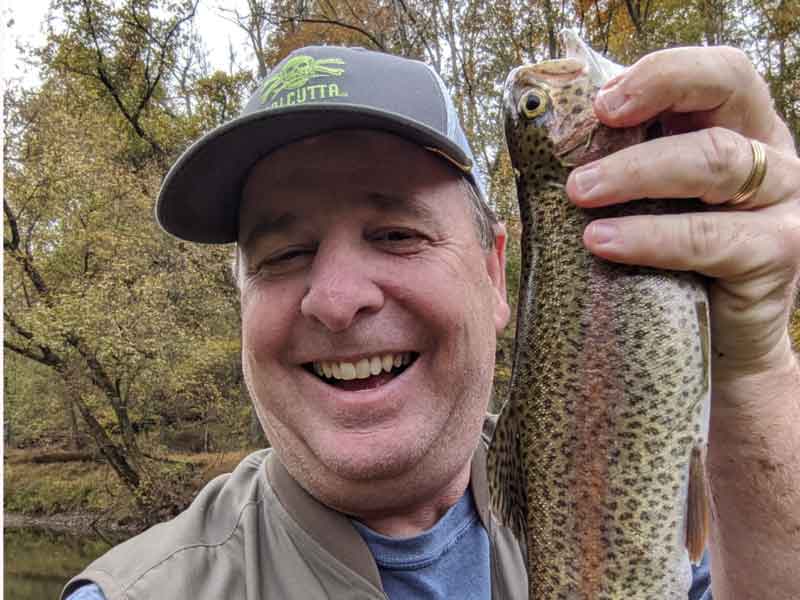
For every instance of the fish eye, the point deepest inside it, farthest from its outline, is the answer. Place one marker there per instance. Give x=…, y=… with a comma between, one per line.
x=533, y=103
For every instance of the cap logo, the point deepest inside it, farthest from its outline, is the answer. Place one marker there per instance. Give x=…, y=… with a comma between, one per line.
x=294, y=76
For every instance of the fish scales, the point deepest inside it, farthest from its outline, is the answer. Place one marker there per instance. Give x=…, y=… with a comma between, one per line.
x=609, y=396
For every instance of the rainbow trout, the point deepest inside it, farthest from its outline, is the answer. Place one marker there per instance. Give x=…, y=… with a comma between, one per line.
x=597, y=457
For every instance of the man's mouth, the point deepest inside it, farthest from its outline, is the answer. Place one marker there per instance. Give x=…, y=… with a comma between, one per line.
x=365, y=373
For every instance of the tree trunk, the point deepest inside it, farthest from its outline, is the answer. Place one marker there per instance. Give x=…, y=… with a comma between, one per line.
x=113, y=454
x=550, y=24
x=126, y=428
x=76, y=442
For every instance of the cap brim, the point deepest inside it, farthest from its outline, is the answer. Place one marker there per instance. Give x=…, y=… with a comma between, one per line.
x=199, y=199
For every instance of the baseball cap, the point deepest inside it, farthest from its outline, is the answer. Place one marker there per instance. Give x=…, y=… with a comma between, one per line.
x=314, y=90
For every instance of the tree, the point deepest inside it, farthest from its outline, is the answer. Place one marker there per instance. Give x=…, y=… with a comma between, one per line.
x=91, y=283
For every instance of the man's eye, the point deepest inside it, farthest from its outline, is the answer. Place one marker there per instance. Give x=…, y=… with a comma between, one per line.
x=287, y=256
x=395, y=235
x=283, y=261
x=398, y=241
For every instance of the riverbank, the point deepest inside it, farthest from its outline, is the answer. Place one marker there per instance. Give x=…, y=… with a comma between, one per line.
x=62, y=523
x=80, y=496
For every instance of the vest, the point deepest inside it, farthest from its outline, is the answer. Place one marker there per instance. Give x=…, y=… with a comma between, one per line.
x=256, y=534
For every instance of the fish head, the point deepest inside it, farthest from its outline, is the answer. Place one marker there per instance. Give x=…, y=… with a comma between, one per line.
x=549, y=115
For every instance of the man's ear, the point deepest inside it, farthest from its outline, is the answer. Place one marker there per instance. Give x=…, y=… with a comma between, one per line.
x=496, y=267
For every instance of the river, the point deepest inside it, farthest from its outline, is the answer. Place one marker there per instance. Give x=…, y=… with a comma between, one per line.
x=38, y=562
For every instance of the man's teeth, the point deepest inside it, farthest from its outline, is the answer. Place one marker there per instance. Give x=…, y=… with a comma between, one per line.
x=366, y=367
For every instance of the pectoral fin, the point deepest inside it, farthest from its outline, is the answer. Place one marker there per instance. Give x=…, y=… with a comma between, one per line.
x=698, y=514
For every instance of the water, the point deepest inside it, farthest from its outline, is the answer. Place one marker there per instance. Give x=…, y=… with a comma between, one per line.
x=38, y=562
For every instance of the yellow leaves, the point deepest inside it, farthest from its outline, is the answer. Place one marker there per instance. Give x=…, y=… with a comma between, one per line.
x=219, y=97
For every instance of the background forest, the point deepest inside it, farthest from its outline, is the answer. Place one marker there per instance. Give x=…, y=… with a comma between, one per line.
x=121, y=343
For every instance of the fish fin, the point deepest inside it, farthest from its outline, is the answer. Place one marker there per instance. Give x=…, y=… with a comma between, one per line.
x=701, y=308
x=698, y=518
x=505, y=474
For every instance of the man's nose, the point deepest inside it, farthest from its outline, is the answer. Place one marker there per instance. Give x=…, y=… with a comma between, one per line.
x=340, y=287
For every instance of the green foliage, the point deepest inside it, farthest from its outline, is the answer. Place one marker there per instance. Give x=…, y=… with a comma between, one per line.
x=34, y=408
x=158, y=502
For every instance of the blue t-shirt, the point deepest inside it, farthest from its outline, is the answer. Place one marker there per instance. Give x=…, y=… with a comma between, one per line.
x=450, y=560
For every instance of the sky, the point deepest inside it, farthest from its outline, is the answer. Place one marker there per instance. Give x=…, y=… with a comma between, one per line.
x=28, y=27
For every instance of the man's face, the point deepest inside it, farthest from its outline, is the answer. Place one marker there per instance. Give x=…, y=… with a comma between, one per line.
x=359, y=251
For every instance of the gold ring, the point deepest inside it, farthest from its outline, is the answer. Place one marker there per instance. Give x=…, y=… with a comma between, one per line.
x=756, y=176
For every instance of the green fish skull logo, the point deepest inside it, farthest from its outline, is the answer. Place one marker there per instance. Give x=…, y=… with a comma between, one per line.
x=296, y=73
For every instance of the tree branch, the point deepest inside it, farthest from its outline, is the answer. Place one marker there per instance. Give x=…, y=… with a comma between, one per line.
x=47, y=358
x=26, y=352
x=418, y=30
x=25, y=259
x=103, y=77
x=335, y=23
x=11, y=219
x=633, y=12
x=163, y=46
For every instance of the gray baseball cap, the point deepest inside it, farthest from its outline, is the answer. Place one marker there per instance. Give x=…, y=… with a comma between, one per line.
x=314, y=90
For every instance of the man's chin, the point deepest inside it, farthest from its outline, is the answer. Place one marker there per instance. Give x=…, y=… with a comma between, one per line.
x=380, y=451
x=359, y=466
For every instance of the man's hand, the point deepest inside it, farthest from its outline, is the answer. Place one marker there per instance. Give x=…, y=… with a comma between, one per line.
x=711, y=101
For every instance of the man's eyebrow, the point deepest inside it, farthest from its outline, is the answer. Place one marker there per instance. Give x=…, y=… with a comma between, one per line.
x=405, y=204
x=270, y=226
x=390, y=203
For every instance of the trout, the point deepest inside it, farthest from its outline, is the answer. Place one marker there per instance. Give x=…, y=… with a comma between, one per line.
x=597, y=459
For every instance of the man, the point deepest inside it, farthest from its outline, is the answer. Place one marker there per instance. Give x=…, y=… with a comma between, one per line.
x=372, y=289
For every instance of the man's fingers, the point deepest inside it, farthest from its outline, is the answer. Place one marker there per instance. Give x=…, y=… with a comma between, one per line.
x=730, y=245
x=719, y=85
x=711, y=164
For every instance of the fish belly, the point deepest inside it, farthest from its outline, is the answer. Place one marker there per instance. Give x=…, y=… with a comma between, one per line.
x=609, y=397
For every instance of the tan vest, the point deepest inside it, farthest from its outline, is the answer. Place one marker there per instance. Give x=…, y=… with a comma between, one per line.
x=255, y=534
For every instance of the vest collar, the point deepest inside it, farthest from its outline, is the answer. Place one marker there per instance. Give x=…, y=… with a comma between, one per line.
x=334, y=531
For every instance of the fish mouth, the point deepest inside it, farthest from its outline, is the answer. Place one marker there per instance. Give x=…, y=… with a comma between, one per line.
x=579, y=59
x=559, y=68
x=597, y=68
x=364, y=373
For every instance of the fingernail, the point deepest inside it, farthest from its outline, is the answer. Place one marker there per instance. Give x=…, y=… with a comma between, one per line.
x=586, y=179
x=602, y=233
x=611, y=101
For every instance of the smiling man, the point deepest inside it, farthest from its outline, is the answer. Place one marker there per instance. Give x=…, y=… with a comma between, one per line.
x=385, y=266
x=371, y=277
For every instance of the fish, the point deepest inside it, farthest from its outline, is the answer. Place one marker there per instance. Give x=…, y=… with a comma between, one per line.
x=597, y=460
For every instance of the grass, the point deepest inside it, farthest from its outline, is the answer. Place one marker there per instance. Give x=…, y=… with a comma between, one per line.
x=48, y=489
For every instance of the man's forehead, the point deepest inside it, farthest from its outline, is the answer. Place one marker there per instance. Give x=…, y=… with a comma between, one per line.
x=355, y=148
